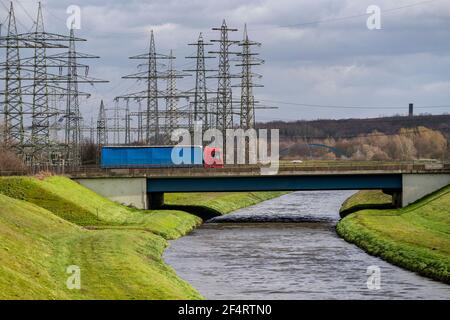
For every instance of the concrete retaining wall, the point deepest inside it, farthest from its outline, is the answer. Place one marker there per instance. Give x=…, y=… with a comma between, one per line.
x=127, y=191
x=416, y=186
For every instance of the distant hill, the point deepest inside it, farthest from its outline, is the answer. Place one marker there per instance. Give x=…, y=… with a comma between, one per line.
x=348, y=128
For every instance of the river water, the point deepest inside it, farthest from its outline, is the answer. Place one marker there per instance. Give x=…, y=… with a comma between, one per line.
x=287, y=248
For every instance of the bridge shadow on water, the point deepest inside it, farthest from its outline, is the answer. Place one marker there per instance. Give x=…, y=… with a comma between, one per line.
x=365, y=206
x=213, y=216
x=202, y=212
x=272, y=219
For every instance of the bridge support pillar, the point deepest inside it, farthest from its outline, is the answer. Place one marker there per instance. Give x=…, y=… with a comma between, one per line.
x=397, y=197
x=155, y=200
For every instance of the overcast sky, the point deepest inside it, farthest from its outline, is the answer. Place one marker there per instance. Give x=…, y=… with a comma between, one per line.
x=337, y=61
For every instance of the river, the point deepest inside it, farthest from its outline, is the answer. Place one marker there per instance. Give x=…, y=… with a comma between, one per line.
x=287, y=248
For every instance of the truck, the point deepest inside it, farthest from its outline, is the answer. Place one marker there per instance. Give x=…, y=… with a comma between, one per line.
x=159, y=157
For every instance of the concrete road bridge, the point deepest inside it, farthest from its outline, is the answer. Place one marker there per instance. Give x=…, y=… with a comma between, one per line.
x=145, y=188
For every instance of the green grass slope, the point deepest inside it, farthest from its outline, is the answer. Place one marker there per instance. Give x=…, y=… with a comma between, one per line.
x=209, y=205
x=75, y=203
x=416, y=237
x=36, y=247
x=366, y=199
x=47, y=225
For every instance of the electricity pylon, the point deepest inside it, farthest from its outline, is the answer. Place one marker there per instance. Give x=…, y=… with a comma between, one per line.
x=173, y=114
x=200, y=92
x=40, y=135
x=151, y=76
x=73, y=117
x=13, y=134
x=127, y=122
x=102, y=130
x=12, y=72
x=39, y=145
x=248, y=59
x=151, y=95
x=224, y=118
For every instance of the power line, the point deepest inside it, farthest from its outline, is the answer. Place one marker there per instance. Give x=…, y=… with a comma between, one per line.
x=356, y=15
x=432, y=107
x=37, y=143
x=349, y=107
x=50, y=12
x=26, y=11
x=4, y=6
x=17, y=20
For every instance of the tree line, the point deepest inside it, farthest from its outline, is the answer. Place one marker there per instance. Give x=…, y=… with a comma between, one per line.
x=407, y=144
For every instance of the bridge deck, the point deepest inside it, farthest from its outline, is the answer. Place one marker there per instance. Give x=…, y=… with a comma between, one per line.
x=406, y=182
x=276, y=183
x=301, y=169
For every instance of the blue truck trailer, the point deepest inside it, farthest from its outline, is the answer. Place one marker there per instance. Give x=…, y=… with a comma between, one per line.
x=149, y=156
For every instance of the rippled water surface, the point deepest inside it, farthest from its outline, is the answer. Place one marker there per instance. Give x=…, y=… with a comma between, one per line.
x=287, y=248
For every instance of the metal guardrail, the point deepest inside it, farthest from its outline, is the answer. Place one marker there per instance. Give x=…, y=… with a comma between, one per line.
x=284, y=168
x=254, y=170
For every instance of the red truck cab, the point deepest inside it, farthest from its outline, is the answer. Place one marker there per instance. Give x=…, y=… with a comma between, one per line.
x=212, y=157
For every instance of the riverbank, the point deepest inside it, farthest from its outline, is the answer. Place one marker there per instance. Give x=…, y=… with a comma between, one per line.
x=416, y=237
x=49, y=224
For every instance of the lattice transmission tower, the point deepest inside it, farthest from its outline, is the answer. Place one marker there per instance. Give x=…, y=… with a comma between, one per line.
x=18, y=71
x=201, y=112
x=224, y=108
x=151, y=95
x=13, y=134
x=248, y=59
x=40, y=130
x=173, y=114
x=43, y=90
x=73, y=117
x=102, y=130
x=154, y=127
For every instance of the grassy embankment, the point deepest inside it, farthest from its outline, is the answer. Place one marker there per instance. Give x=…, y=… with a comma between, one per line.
x=416, y=237
x=47, y=225
x=209, y=205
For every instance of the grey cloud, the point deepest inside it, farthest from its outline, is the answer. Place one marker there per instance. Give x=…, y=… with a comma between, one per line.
x=338, y=62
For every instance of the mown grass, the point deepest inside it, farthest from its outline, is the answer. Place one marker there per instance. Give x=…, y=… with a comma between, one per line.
x=75, y=203
x=416, y=237
x=209, y=205
x=37, y=247
x=366, y=199
x=47, y=225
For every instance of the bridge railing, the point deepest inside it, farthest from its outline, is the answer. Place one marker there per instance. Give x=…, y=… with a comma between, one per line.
x=284, y=167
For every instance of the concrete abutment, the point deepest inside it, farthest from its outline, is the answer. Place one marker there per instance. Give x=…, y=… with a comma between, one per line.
x=419, y=185
x=405, y=188
x=127, y=191
x=155, y=200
